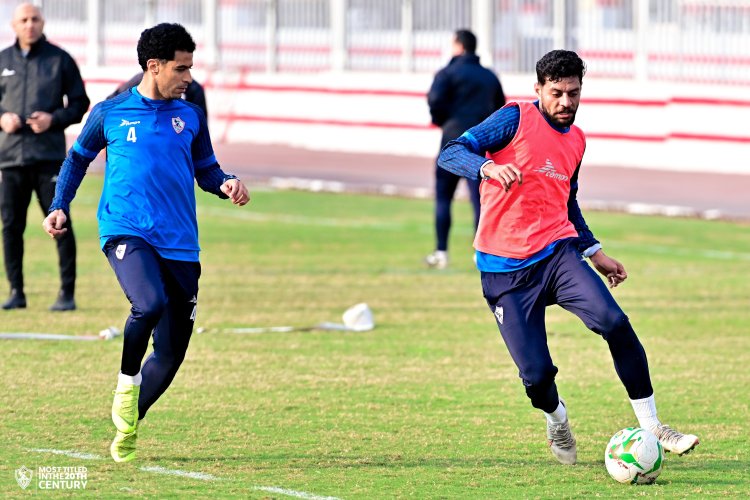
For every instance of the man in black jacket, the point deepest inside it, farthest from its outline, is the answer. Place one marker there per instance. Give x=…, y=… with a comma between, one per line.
x=462, y=95
x=35, y=78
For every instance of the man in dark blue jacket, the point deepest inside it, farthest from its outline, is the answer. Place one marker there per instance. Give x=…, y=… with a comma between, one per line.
x=41, y=93
x=462, y=95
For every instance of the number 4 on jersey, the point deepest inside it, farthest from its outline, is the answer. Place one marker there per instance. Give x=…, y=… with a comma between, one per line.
x=131, y=135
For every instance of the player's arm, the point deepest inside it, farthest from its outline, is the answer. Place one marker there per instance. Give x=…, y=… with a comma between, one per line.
x=81, y=154
x=212, y=179
x=209, y=175
x=71, y=175
x=588, y=245
x=466, y=156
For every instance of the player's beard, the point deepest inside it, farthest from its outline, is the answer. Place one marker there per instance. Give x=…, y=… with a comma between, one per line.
x=558, y=121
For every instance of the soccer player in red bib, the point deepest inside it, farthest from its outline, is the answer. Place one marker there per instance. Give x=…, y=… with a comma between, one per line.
x=532, y=242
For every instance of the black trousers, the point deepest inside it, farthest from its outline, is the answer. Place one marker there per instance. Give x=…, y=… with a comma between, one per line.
x=16, y=186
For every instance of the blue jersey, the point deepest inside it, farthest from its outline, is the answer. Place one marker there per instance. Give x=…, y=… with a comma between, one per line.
x=155, y=148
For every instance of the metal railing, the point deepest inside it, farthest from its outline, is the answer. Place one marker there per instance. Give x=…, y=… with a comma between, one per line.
x=677, y=40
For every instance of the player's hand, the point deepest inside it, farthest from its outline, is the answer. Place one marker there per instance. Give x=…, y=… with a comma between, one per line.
x=54, y=222
x=10, y=122
x=39, y=121
x=610, y=268
x=506, y=175
x=236, y=191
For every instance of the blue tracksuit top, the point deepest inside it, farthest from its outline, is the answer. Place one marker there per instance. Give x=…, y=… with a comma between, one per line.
x=155, y=148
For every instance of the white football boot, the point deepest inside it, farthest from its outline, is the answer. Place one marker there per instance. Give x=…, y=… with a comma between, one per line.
x=561, y=441
x=674, y=441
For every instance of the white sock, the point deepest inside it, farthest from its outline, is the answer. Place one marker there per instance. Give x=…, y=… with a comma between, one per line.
x=645, y=412
x=129, y=379
x=559, y=416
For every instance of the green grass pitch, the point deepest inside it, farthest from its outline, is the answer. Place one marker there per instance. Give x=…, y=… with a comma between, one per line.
x=427, y=405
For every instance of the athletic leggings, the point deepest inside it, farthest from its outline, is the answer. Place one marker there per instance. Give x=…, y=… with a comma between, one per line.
x=163, y=296
x=519, y=299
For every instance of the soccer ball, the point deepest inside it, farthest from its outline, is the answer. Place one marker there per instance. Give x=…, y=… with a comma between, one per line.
x=634, y=456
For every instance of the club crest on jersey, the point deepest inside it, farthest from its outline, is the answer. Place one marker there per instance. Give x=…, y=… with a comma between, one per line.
x=178, y=124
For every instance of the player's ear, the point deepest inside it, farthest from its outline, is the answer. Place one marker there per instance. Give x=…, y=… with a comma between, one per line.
x=152, y=65
x=538, y=89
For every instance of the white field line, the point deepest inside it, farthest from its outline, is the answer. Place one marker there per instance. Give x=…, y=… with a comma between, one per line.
x=68, y=453
x=45, y=336
x=155, y=469
x=181, y=473
x=293, y=493
x=202, y=476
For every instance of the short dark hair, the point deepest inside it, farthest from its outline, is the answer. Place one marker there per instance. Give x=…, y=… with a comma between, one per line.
x=468, y=40
x=559, y=64
x=162, y=41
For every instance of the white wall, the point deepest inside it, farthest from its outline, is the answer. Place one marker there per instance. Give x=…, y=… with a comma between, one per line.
x=649, y=125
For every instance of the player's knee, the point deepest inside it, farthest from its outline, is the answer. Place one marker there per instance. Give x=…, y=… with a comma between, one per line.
x=149, y=309
x=539, y=376
x=611, y=321
x=617, y=329
x=168, y=361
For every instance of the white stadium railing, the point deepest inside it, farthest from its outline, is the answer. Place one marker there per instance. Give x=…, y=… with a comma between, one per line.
x=702, y=41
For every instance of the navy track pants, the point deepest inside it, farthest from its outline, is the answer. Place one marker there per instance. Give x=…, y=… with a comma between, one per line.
x=163, y=295
x=518, y=300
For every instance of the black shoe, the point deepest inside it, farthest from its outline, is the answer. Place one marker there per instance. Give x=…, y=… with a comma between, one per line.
x=64, y=302
x=17, y=300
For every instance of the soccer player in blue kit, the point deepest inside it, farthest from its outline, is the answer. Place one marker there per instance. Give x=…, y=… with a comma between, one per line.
x=156, y=145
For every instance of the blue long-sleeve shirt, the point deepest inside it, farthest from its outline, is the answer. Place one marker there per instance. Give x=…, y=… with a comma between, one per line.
x=155, y=148
x=465, y=156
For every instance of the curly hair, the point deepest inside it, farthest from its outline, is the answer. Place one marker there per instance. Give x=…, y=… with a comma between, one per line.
x=559, y=64
x=161, y=42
